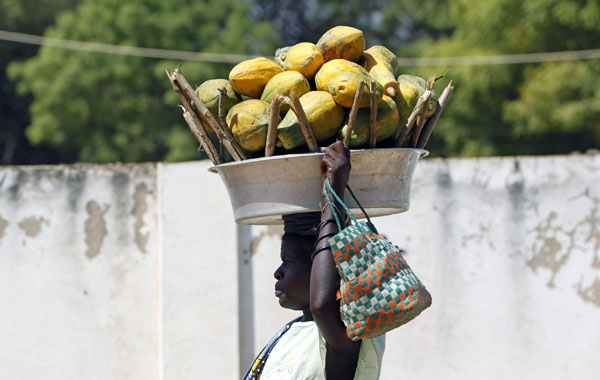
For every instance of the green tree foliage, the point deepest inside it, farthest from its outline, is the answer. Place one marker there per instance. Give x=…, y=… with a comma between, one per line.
x=123, y=108
x=25, y=16
x=99, y=107
x=391, y=23
x=541, y=108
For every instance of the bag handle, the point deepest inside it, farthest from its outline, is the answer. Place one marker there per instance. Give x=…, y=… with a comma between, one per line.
x=327, y=188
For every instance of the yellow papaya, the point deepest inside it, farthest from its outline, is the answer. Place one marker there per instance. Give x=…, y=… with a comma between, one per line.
x=387, y=54
x=411, y=88
x=282, y=84
x=332, y=68
x=343, y=88
x=342, y=42
x=323, y=114
x=249, y=121
x=386, y=124
x=249, y=77
x=208, y=92
x=305, y=58
x=381, y=70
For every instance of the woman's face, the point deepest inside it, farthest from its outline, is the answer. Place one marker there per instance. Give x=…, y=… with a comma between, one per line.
x=293, y=275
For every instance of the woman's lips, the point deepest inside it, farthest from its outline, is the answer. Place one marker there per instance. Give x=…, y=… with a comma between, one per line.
x=277, y=293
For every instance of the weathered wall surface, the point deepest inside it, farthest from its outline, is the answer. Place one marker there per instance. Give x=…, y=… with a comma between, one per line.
x=78, y=273
x=131, y=272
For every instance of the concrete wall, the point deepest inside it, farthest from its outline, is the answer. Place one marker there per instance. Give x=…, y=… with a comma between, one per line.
x=131, y=272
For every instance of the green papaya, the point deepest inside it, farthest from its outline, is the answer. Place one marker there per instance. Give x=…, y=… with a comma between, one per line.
x=249, y=121
x=208, y=92
x=332, y=68
x=282, y=84
x=411, y=88
x=386, y=124
x=323, y=114
x=385, y=52
x=343, y=88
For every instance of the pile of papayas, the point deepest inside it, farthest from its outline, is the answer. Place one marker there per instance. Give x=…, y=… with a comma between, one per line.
x=324, y=77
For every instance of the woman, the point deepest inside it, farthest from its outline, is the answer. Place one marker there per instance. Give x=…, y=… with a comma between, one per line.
x=315, y=345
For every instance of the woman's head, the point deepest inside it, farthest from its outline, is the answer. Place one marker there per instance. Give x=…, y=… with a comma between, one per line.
x=293, y=275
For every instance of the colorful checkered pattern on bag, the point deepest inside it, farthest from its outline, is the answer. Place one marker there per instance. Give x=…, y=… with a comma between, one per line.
x=379, y=290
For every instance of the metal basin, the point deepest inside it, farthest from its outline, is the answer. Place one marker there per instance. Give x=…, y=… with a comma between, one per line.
x=262, y=190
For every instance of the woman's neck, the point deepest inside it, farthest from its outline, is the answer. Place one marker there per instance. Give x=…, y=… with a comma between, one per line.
x=306, y=315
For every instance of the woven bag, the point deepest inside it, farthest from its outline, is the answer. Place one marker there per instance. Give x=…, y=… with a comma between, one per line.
x=379, y=290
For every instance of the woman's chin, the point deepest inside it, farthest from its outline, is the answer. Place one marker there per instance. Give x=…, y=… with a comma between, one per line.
x=282, y=302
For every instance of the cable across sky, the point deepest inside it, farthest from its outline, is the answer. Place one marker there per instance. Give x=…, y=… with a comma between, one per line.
x=573, y=55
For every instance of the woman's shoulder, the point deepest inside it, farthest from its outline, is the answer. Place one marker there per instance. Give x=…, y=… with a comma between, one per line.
x=296, y=355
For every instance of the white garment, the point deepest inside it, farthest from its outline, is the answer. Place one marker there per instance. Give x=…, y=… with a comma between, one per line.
x=300, y=355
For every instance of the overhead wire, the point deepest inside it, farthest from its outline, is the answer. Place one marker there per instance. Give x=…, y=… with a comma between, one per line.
x=572, y=55
x=122, y=49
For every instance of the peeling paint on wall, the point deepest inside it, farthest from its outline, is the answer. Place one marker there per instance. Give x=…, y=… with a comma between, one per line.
x=549, y=254
x=553, y=245
x=95, y=228
x=592, y=219
x=32, y=226
x=595, y=261
x=590, y=294
x=140, y=206
x=3, y=225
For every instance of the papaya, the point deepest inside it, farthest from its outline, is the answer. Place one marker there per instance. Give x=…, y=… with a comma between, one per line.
x=249, y=77
x=281, y=55
x=332, y=68
x=387, y=54
x=282, y=84
x=411, y=88
x=386, y=124
x=342, y=42
x=249, y=121
x=381, y=70
x=305, y=58
x=208, y=92
x=343, y=88
x=404, y=112
x=323, y=114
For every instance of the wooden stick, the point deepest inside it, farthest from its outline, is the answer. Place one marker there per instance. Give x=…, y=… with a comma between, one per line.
x=373, y=115
x=207, y=145
x=195, y=124
x=207, y=116
x=226, y=129
x=353, y=112
x=421, y=117
x=419, y=123
x=294, y=103
x=428, y=128
x=273, y=122
x=421, y=104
